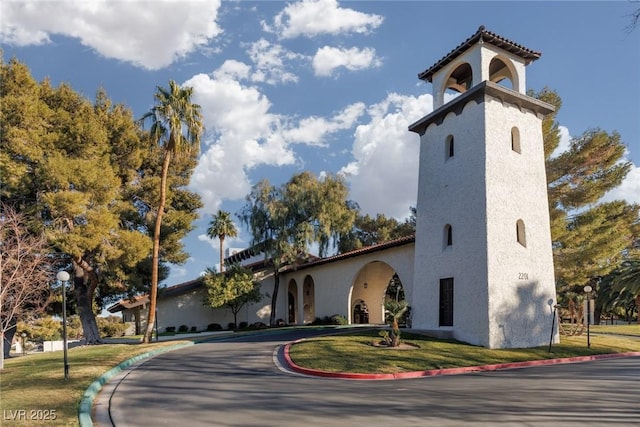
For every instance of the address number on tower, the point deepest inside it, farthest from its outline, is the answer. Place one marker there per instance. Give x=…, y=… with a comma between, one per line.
x=523, y=276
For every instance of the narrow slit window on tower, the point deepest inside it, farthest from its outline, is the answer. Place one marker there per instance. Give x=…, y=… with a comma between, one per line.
x=448, y=147
x=520, y=233
x=515, y=140
x=447, y=238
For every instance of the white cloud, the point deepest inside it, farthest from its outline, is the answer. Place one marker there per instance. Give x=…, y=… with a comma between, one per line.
x=313, y=130
x=629, y=189
x=384, y=174
x=149, y=34
x=327, y=59
x=246, y=134
x=565, y=141
x=314, y=17
x=269, y=62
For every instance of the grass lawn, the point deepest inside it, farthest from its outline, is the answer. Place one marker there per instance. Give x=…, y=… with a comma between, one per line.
x=36, y=382
x=353, y=352
x=632, y=329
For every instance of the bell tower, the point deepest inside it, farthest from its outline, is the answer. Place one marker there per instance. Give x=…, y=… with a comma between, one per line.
x=483, y=259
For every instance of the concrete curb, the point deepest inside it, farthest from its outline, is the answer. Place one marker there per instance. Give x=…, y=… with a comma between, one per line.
x=86, y=403
x=449, y=371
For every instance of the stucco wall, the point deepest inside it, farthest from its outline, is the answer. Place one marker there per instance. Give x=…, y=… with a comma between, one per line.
x=451, y=191
x=521, y=279
x=188, y=309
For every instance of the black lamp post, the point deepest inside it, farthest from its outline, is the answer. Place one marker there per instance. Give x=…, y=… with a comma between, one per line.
x=588, y=290
x=63, y=277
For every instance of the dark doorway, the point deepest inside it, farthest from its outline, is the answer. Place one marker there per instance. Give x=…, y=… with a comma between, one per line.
x=446, y=302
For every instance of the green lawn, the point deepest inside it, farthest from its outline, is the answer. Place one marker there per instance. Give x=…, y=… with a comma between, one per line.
x=36, y=382
x=354, y=353
x=628, y=329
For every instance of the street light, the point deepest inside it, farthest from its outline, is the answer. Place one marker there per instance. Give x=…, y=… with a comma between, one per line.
x=63, y=276
x=587, y=289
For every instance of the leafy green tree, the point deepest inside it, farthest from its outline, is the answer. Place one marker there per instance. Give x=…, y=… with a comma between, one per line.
x=627, y=281
x=222, y=226
x=176, y=125
x=71, y=168
x=233, y=290
x=285, y=221
x=589, y=236
x=368, y=231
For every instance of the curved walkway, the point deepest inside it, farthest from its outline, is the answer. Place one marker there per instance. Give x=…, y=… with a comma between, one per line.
x=235, y=382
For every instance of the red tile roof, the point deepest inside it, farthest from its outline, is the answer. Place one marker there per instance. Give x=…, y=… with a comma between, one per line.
x=483, y=36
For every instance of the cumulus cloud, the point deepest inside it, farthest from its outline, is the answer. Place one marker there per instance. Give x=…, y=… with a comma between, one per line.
x=269, y=60
x=327, y=59
x=149, y=34
x=629, y=189
x=384, y=174
x=247, y=134
x=313, y=130
x=314, y=17
x=565, y=141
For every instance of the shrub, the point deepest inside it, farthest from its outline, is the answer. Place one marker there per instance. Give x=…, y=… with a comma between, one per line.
x=244, y=325
x=183, y=328
x=214, y=327
x=338, y=319
x=231, y=325
x=194, y=329
x=259, y=325
x=111, y=326
x=280, y=322
x=170, y=329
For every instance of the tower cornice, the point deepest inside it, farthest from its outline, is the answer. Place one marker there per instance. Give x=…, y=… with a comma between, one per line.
x=481, y=93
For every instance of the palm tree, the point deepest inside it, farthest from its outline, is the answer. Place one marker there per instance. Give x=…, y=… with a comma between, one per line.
x=176, y=125
x=628, y=280
x=395, y=311
x=221, y=226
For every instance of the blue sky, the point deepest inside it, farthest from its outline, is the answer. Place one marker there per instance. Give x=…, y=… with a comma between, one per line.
x=322, y=85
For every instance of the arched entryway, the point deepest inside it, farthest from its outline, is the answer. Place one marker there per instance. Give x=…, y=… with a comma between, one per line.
x=369, y=292
x=308, y=300
x=292, y=302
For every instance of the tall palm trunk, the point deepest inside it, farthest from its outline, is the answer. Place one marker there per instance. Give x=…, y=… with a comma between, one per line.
x=221, y=254
x=153, y=294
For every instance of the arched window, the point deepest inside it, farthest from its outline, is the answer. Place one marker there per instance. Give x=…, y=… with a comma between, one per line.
x=447, y=236
x=448, y=147
x=520, y=233
x=515, y=139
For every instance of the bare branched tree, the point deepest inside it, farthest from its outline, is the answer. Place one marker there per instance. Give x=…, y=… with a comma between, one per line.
x=635, y=19
x=25, y=275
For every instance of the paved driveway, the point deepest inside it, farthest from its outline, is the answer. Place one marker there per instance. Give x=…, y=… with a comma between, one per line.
x=237, y=382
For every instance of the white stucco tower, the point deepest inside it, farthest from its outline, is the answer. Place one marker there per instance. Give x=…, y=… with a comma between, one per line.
x=483, y=261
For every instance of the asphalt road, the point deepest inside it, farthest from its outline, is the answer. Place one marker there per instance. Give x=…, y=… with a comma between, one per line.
x=238, y=382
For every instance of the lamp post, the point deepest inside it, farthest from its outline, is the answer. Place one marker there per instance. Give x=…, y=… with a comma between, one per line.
x=587, y=289
x=63, y=277
x=553, y=324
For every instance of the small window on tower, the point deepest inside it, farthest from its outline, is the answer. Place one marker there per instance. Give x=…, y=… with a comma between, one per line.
x=448, y=147
x=520, y=233
x=515, y=140
x=447, y=237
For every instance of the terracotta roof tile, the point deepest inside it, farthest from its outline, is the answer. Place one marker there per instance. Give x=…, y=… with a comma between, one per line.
x=484, y=36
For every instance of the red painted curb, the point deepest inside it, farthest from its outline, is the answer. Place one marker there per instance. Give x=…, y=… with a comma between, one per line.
x=449, y=371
